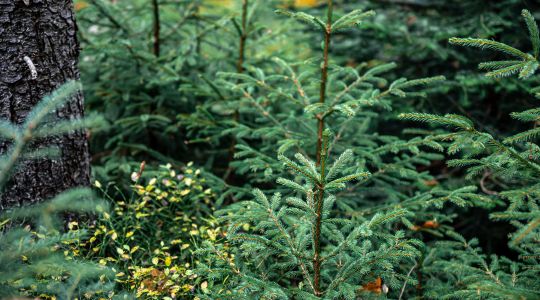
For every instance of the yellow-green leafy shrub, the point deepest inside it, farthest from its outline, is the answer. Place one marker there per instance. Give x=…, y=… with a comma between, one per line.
x=149, y=237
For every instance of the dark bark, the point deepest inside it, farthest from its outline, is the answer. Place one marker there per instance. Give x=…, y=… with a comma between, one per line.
x=45, y=31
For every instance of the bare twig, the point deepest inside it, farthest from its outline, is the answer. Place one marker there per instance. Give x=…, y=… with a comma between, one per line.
x=405, y=283
x=483, y=186
x=157, y=25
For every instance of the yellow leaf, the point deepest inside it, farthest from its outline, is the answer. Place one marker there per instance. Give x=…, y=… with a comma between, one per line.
x=140, y=215
x=204, y=287
x=72, y=225
x=155, y=260
x=129, y=234
x=168, y=261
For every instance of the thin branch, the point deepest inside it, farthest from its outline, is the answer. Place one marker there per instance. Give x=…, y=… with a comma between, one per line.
x=324, y=79
x=243, y=38
x=157, y=25
x=239, y=70
x=483, y=186
x=405, y=283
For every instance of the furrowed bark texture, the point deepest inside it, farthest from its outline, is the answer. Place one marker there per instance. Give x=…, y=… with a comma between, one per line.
x=45, y=31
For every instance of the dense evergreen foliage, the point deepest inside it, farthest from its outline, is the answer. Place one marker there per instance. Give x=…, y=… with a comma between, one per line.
x=255, y=149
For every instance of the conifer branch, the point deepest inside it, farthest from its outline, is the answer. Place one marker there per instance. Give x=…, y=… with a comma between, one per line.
x=525, y=231
x=293, y=249
x=493, y=45
x=22, y=135
x=101, y=7
x=533, y=31
x=266, y=114
x=494, y=65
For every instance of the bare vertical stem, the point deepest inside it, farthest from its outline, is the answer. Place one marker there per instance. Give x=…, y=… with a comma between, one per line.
x=324, y=78
x=239, y=70
x=243, y=38
x=198, y=28
x=317, y=234
x=157, y=25
x=242, y=47
x=321, y=161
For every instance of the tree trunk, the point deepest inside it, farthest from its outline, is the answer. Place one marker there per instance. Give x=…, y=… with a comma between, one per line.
x=45, y=32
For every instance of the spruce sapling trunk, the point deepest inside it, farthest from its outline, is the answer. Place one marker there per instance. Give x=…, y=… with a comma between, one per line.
x=239, y=70
x=157, y=26
x=243, y=38
x=321, y=155
x=324, y=78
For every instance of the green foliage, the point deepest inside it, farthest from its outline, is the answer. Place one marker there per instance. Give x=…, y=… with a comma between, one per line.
x=30, y=260
x=319, y=191
x=329, y=229
x=513, y=167
x=479, y=276
x=134, y=86
x=277, y=248
x=150, y=234
x=528, y=64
